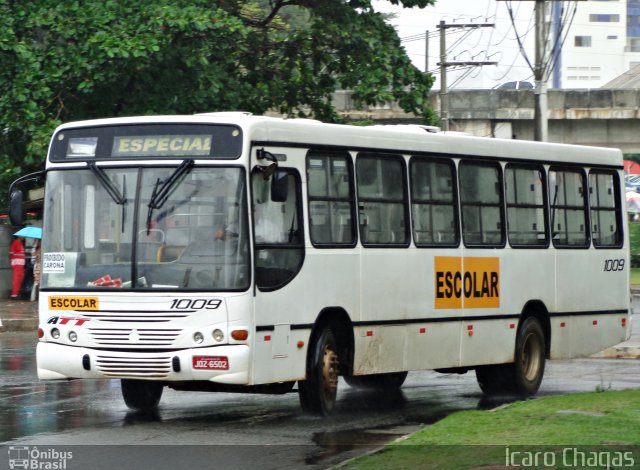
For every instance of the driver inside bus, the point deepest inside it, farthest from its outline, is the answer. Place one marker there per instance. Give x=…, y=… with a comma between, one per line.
x=227, y=233
x=204, y=245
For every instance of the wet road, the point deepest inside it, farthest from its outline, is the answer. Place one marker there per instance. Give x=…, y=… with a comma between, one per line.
x=92, y=412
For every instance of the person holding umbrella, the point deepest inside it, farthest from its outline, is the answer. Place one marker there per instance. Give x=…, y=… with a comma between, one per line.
x=16, y=254
x=18, y=258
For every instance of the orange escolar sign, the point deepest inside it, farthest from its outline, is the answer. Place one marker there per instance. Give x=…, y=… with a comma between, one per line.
x=67, y=302
x=466, y=282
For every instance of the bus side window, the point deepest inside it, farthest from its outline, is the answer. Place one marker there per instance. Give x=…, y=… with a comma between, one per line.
x=277, y=231
x=568, y=202
x=526, y=205
x=433, y=202
x=481, y=203
x=606, y=213
x=382, y=199
x=331, y=198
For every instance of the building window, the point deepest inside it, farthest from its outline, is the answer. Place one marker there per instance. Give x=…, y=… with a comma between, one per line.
x=604, y=18
x=582, y=41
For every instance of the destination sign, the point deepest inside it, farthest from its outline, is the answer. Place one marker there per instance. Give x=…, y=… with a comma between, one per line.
x=162, y=146
x=159, y=141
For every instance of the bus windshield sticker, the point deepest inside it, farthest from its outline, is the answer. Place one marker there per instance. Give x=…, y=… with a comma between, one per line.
x=53, y=263
x=467, y=282
x=162, y=146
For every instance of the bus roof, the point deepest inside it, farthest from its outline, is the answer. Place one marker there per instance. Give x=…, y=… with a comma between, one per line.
x=397, y=138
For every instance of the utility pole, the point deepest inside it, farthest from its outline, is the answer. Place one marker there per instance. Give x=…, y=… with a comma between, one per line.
x=444, y=99
x=540, y=129
x=426, y=52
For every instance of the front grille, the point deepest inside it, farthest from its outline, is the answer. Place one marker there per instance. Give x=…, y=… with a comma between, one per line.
x=134, y=367
x=130, y=337
x=137, y=316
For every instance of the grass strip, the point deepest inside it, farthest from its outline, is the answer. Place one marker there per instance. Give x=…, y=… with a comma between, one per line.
x=583, y=430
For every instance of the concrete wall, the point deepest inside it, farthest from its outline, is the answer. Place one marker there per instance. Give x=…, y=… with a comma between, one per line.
x=609, y=118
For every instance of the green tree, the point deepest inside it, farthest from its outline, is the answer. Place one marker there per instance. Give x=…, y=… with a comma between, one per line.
x=66, y=60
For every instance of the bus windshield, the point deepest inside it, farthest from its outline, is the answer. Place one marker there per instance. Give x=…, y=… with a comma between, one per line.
x=108, y=228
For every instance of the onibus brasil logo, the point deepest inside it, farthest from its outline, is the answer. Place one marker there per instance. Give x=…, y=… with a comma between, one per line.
x=32, y=458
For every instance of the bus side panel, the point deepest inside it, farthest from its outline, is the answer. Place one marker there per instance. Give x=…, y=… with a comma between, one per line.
x=285, y=317
x=592, y=296
x=398, y=286
x=524, y=275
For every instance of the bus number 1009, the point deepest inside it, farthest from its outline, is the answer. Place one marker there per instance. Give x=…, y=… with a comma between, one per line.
x=195, y=304
x=614, y=265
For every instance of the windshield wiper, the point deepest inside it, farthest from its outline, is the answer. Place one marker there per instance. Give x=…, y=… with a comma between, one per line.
x=160, y=194
x=107, y=184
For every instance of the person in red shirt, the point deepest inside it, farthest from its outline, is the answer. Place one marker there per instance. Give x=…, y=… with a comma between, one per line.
x=16, y=254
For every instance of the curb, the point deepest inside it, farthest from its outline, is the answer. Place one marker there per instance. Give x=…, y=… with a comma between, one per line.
x=619, y=352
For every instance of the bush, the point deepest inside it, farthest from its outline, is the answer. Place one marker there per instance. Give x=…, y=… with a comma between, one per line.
x=634, y=244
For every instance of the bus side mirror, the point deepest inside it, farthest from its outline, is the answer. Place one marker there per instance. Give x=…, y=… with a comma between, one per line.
x=16, y=213
x=279, y=186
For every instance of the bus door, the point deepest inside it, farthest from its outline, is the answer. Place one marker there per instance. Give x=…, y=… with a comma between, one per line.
x=278, y=257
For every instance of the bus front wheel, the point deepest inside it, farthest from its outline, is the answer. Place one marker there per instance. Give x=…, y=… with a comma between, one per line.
x=524, y=376
x=318, y=392
x=141, y=395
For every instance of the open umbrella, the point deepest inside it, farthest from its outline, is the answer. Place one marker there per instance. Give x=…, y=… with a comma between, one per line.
x=29, y=232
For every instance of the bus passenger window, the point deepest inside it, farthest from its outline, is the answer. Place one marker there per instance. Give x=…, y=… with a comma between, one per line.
x=481, y=203
x=382, y=200
x=606, y=215
x=568, y=208
x=331, y=198
x=526, y=205
x=433, y=203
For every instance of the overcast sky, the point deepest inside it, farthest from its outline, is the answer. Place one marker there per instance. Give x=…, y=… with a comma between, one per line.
x=496, y=44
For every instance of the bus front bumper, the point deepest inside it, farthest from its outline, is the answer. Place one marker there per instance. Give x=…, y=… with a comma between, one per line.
x=221, y=364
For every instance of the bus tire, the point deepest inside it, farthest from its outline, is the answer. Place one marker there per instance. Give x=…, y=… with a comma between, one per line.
x=318, y=392
x=522, y=378
x=141, y=395
x=496, y=380
x=530, y=358
x=390, y=381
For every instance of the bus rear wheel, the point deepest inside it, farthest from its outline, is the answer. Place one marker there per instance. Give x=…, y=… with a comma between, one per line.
x=390, y=381
x=141, y=395
x=318, y=392
x=524, y=376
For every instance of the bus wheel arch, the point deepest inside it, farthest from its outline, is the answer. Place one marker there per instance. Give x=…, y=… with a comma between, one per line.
x=537, y=308
x=330, y=354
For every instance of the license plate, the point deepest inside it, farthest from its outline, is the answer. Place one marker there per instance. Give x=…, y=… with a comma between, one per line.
x=210, y=363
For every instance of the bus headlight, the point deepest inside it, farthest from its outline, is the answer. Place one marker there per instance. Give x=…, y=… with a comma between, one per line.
x=73, y=336
x=198, y=337
x=55, y=333
x=218, y=335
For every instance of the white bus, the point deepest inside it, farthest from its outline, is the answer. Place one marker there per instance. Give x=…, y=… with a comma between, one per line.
x=230, y=252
